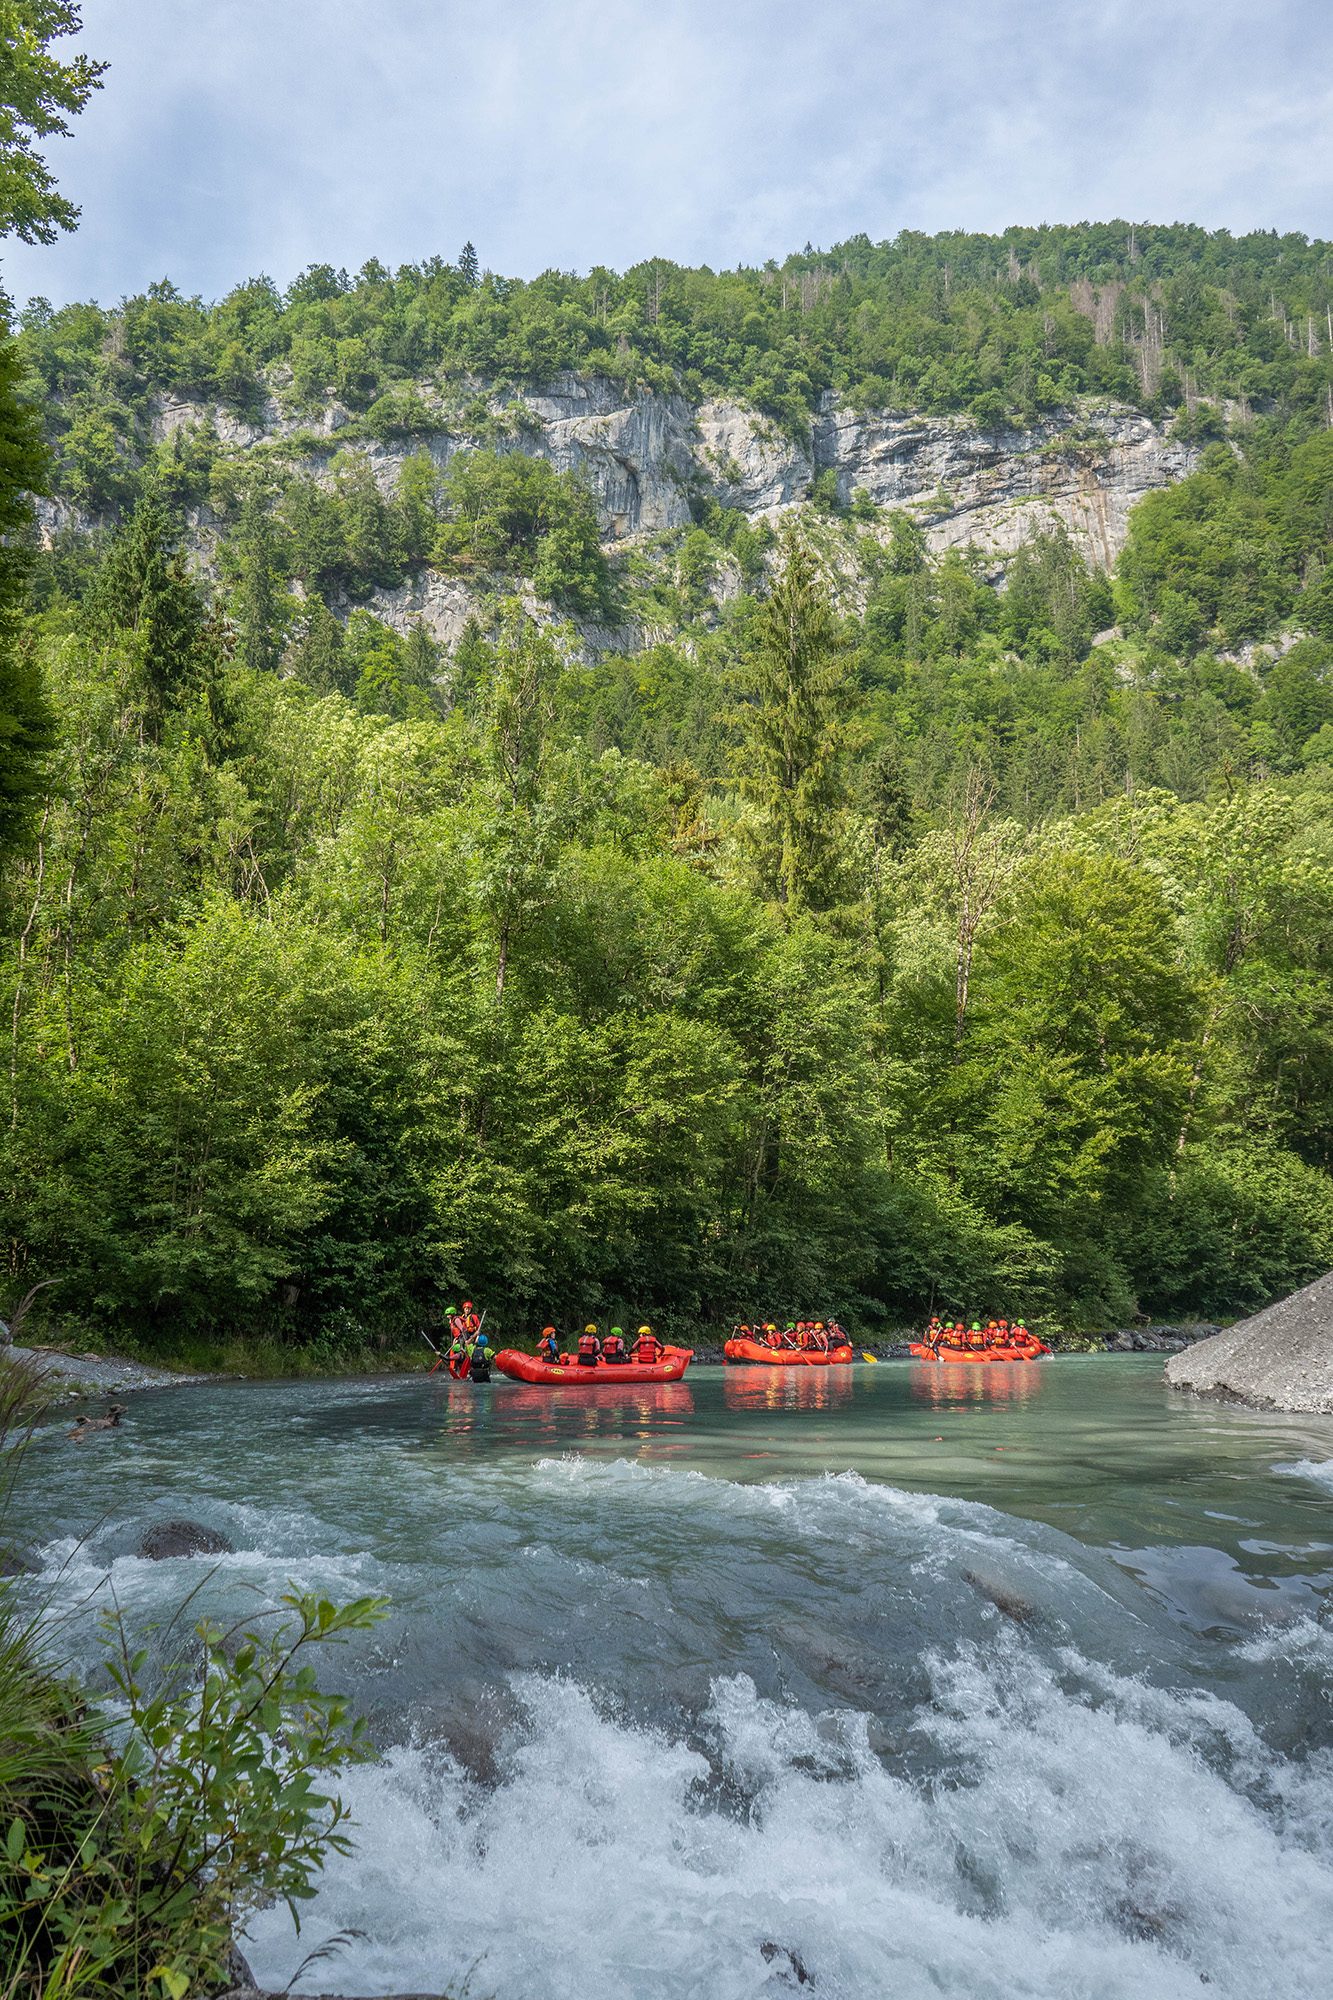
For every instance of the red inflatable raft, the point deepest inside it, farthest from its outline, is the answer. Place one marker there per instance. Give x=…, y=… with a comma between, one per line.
x=786, y=1357
x=1032, y=1351
x=567, y=1374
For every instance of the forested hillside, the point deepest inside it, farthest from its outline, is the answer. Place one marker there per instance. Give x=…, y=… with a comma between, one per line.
x=1162, y=317
x=851, y=927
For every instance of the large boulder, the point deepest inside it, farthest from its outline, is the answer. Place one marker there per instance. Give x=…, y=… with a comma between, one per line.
x=1281, y=1359
x=182, y=1538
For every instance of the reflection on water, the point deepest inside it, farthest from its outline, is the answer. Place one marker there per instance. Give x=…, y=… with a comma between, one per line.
x=760, y=1388
x=948, y=1383
x=628, y=1416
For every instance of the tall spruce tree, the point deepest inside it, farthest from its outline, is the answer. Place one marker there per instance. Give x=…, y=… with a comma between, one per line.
x=145, y=590
x=27, y=728
x=255, y=600
x=794, y=689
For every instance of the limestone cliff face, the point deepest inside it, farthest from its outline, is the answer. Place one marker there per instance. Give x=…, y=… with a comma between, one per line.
x=645, y=455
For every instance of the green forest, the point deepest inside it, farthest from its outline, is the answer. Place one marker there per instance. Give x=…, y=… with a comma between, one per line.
x=854, y=934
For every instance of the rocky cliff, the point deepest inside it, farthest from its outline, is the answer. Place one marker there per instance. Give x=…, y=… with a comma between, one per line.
x=647, y=456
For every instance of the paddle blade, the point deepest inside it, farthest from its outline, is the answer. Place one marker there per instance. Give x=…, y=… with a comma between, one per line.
x=868, y=1357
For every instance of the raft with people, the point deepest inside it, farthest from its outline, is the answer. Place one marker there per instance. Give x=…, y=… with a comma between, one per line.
x=596, y=1362
x=802, y=1343
x=997, y=1340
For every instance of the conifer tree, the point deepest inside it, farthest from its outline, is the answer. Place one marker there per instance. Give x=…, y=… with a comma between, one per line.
x=319, y=655
x=144, y=589
x=794, y=689
x=469, y=266
x=256, y=598
x=27, y=728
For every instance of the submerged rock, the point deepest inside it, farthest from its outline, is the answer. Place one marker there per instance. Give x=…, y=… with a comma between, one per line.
x=1009, y=1603
x=1281, y=1359
x=182, y=1538
x=789, y=1965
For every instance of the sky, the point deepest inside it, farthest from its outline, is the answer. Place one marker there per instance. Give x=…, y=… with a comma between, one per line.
x=238, y=136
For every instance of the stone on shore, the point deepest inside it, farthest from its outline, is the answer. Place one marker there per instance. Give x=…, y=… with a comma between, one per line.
x=1281, y=1359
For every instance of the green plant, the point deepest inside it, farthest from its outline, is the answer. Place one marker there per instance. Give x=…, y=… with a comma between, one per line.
x=129, y=1867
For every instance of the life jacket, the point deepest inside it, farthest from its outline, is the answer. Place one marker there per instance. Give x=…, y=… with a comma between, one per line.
x=589, y=1344
x=647, y=1349
x=613, y=1349
x=548, y=1347
x=472, y=1322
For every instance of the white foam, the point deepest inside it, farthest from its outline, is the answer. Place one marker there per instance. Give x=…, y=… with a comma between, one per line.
x=1090, y=1839
x=1318, y=1471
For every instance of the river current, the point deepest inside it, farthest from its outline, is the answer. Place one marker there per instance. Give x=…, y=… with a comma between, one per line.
x=880, y=1684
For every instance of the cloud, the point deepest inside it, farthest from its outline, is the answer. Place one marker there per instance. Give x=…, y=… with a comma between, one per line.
x=253, y=135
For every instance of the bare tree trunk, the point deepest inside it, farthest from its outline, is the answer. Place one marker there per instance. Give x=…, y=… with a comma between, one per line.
x=12, y=1331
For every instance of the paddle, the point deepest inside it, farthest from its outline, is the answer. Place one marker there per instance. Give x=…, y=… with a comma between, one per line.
x=869, y=1357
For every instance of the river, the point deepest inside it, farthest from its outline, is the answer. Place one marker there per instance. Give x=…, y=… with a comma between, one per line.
x=879, y=1684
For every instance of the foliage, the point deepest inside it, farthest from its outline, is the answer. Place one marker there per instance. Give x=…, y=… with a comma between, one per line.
x=1010, y=326
x=38, y=94
x=793, y=689
x=27, y=727
x=131, y=1858
x=865, y=934
x=504, y=511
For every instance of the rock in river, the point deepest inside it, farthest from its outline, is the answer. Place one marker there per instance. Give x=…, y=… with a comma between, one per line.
x=182, y=1538
x=1281, y=1359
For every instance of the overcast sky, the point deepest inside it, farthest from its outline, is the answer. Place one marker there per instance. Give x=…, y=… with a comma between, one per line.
x=238, y=136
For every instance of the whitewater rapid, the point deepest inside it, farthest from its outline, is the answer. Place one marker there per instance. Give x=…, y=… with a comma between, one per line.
x=648, y=1731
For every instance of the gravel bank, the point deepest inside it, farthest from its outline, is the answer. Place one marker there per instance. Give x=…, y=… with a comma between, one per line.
x=1281, y=1359
x=98, y=1374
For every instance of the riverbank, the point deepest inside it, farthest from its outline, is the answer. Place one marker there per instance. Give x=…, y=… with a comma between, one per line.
x=76, y=1375
x=72, y=1371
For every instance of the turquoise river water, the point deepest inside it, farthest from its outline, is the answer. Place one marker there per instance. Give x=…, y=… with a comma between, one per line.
x=886, y=1683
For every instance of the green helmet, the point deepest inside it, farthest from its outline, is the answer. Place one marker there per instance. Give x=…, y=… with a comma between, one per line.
x=976, y=1326
x=617, y=1333
x=451, y=1312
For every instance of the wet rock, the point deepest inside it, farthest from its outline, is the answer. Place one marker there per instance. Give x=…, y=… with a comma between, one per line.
x=789, y=1966
x=87, y=1427
x=1006, y=1601
x=1145, y=1925
x=1280, y=1359
x=238, y=1980
x=13, y=1563
x=1157, y=1339
x=182, y=1538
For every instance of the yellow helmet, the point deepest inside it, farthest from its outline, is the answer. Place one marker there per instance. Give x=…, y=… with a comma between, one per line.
x=645, y=1329
x=590, y=1327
